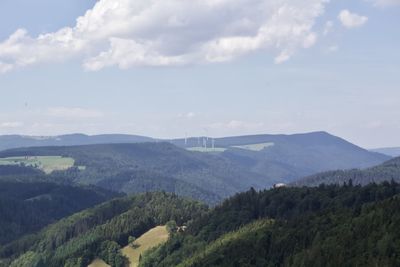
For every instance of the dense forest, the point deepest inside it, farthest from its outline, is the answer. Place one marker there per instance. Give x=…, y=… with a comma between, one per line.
x=98, y=231
x=389, y=170
x=26, y=207
x=350, y=218
x=243, y=162
x=329, y=225
x=322, y=226
x=136, y=168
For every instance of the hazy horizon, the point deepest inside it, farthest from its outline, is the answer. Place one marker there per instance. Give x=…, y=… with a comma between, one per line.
x=171, y=68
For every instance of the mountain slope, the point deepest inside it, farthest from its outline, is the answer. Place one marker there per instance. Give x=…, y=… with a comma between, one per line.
x=321, y=226
x=387, y=171
x=326, y=226
x=287, y=157
x=284, y=157
x=99, y=232
x=26, y=207
x=134, y=168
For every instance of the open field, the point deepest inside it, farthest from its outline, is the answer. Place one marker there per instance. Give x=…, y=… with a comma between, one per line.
x=207, y=150
x=48, y=164
x=98, y=263
x=255, y=147
x=150, y=239
x=252, y=147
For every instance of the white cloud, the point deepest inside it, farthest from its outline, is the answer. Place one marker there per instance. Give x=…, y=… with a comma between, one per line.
x=332, y=48
x=11, y=124
x=73, y=113
x=385, y=3
x=189, y=115
x=351, y=20
x=5, y=67
x=236, y=125
x=128, y=33
x=328, y=27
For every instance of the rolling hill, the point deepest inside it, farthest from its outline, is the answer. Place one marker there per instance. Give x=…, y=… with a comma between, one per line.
x=98, y=232
x=388, y=171
x=288, y=157
x=135, y=168
x=322, y=226
x=26, y=207
x=238, y=164
x=327, y=226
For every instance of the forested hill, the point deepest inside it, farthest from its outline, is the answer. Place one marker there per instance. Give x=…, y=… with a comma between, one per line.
x=26, y=207
x=278, y=158
x=322, y=226
x=135, y=168
x=387, y=171
x=98, y=232
x=235, y=164
x=288, y=157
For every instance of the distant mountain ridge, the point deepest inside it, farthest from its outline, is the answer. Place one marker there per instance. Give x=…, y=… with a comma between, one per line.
x=388, y=171
x=288, y=157
x=390, y=151
x=144, y=167
x=17, y=141
x=217, y=168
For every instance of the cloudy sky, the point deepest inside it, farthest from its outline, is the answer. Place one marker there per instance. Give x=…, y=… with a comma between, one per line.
x=166, y=68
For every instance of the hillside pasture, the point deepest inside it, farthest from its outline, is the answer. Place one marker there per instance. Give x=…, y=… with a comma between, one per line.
x=48, y=164
x=98, y=263
x=152, y=238
x=255, y=147
x=207, y=150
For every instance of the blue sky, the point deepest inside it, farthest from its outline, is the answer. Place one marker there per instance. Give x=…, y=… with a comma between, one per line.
x=281, y=67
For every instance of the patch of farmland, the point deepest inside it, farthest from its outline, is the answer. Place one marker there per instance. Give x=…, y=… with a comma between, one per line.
x=148, y=240
x=98, y=263
x=255, y=147
x=207, y=150
x=48, y=164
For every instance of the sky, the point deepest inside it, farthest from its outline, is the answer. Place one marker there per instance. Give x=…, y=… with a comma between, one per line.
x=170, y=68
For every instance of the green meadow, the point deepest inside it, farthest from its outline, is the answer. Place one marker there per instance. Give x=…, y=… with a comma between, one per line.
x=255, y=147
x=48, y=164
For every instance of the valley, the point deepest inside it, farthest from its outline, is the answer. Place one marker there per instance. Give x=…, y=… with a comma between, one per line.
x=206, y=133
x=115, y=210
x=235, y=164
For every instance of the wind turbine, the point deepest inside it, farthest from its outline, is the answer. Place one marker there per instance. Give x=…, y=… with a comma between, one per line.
x=185, y=139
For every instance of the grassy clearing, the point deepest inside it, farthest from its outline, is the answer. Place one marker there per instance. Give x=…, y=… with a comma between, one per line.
x=98, y=263
x=148, y=240
x=207, y=150
x=255, y=147
x=48, y=164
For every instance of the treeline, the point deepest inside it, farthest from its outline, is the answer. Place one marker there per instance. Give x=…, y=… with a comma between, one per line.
x=323, y=226
x=99, y=231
